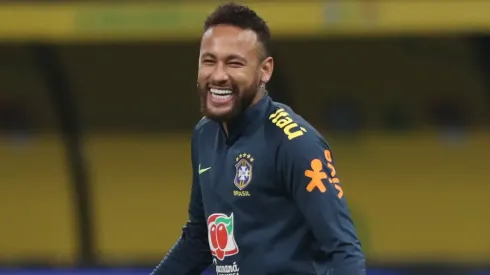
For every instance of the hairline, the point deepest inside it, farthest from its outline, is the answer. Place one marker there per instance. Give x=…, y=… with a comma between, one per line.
x=263, y=52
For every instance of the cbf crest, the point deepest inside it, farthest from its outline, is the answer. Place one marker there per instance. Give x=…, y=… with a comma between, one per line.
x=243, y=175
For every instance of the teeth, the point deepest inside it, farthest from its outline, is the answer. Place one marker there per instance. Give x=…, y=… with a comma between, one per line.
x=220, y=92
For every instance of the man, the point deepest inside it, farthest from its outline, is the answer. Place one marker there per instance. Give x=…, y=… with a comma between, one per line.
x=265, y=197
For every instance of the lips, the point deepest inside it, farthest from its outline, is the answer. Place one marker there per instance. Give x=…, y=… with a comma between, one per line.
x=220, y=92
x=221, y=95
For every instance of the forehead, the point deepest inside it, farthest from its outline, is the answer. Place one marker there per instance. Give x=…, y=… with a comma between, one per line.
x=225, y=40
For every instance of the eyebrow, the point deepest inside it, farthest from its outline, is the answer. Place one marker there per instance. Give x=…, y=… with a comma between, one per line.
x=231, y=56
x=208, y=55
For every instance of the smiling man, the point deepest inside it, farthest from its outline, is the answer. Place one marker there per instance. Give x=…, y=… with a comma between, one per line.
x=266, y=198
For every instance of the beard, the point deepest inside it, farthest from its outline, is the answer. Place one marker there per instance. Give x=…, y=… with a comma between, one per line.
x=242, y=99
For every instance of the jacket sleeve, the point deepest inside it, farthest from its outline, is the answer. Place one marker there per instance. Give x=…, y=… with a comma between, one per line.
x=307, y=168
x=191, y=254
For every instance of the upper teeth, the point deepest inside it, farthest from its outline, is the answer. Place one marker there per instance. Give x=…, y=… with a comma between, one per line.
x=220, y=91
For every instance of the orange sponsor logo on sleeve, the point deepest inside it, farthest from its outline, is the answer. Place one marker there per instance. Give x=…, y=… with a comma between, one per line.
x=317, y=175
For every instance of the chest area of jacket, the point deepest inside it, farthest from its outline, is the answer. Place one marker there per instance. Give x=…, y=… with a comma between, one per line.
x=239, y=174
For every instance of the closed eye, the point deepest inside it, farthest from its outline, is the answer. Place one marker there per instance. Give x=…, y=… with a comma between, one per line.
x=208, y=61
x=235, y=64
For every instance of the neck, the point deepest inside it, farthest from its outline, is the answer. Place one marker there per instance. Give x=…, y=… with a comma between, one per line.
x=260, y=94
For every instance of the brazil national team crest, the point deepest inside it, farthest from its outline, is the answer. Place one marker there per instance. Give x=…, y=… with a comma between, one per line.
x=243, y=175
x=220, y=235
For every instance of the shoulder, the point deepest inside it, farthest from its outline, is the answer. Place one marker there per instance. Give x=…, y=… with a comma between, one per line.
x=297, y=139
x=292, y=130
x=202, y=125
x=202, y=129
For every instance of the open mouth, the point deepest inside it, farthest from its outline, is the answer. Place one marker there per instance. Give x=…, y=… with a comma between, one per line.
x=221, y=94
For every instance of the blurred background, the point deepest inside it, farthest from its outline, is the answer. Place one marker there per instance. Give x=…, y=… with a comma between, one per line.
x=98, y=102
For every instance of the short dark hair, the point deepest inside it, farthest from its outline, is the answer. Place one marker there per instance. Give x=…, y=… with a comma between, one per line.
x=243, y=17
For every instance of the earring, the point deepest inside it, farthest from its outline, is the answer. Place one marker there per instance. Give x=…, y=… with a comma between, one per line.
x=262, y=86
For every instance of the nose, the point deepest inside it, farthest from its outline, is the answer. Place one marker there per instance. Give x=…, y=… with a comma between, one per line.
x=220, y=75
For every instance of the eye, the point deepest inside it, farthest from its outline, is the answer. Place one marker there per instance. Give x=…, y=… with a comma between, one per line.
x=235, y=64
x=208, y=61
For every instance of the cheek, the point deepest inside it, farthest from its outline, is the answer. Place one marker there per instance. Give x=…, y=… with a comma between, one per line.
x=202, y=75
x=243, y=78
x=205, y=70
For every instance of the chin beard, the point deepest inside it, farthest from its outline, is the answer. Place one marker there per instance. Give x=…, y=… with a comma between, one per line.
x=235, y=111
x=241, y=102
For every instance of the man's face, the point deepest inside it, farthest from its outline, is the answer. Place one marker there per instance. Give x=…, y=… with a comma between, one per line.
x=230, y=71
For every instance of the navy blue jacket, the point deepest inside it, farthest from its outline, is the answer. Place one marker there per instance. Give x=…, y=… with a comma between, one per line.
x=265, y=199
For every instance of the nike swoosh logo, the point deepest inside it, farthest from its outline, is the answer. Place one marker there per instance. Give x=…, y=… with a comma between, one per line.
x=203, y=170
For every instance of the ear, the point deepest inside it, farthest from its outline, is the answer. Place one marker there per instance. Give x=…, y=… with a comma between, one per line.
x=266, y=69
